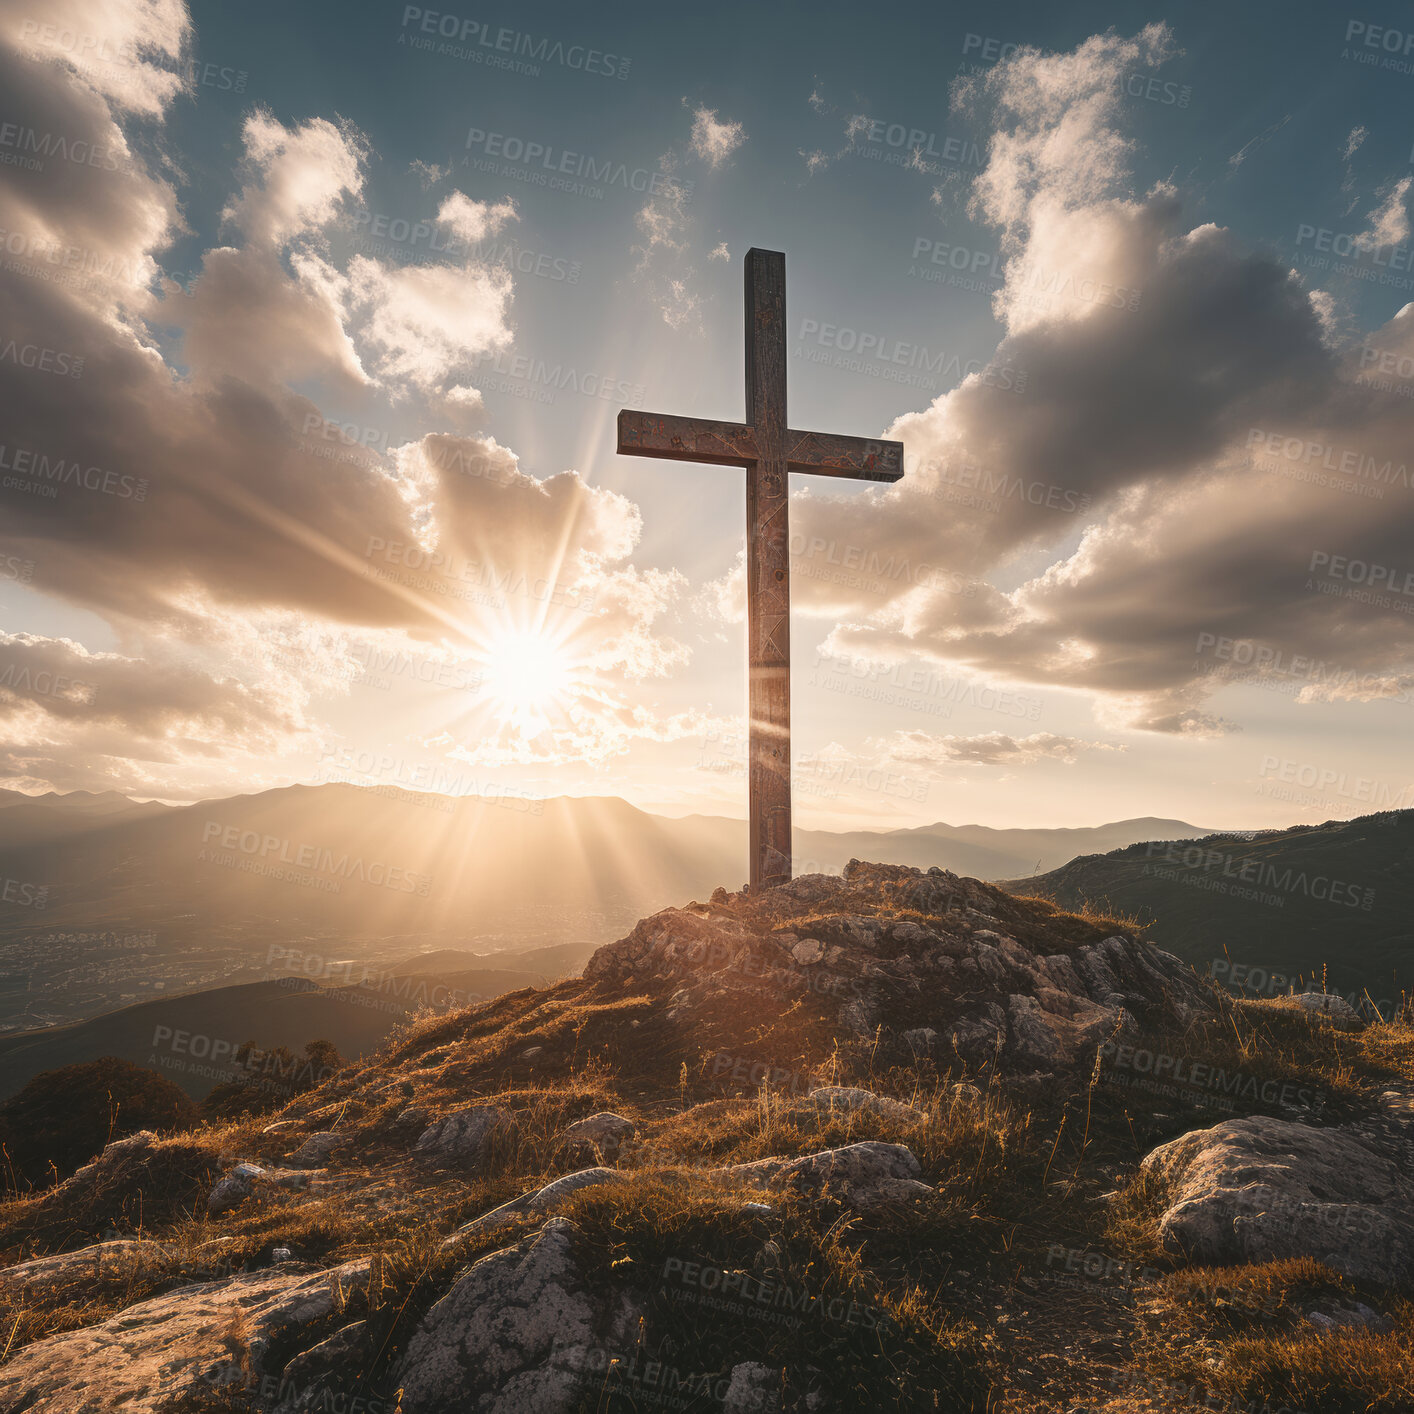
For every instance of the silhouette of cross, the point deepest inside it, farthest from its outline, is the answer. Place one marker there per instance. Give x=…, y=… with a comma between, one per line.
x=768, y=448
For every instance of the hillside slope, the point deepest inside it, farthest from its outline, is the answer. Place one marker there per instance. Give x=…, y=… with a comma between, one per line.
x=192, y=1038
x=877, y=1142
x=881, y=1141
x=1338, y=896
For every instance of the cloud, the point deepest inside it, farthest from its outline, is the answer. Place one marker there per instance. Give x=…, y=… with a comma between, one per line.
x=1261, y=140
x=665, y=265
x=59, y=679
x=1389, y=221
x=193, y=503
x=1162, y=364
x=300, y=177
x=428, y=323
x=276, y=308
x=428, y=174
x=76, y=719
x=247, y=316
x=128, y=52
x=712, y=140
x=664, y=261
x=856, y=130
x=920, y=748
x=472, y=221
x=1056, y=143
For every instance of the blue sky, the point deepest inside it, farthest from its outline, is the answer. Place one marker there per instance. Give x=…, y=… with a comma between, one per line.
x=1132, y=302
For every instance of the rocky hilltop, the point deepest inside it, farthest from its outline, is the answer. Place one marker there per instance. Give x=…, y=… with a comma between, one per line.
x=894, y=1140
x=925, y=963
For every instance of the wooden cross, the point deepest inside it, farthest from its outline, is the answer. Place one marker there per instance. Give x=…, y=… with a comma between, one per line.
x=768, y=448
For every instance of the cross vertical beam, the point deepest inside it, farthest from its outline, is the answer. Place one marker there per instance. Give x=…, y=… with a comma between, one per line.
x=769, y=449
x=768, y=570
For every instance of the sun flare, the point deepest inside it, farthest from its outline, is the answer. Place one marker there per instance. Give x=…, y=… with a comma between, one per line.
x=526, y=674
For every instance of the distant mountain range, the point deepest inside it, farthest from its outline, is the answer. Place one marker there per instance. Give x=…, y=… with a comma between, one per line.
x=976, y=850
x=1333, y=900
x=42, y=819
x=346, y=857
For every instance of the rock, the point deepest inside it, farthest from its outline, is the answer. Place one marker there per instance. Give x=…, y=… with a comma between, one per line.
x=674, y=942
x=1337, y=1009
x=310, y=1380
x=921, y=1040
x=120, y=1256
x=890, y=1191
x=461, y=1135
x=114, y=1156
x=853, y=1100
x=1356, y=1315
x=977, y=1039
x=165, y=1353
x=518, y=1333
x=753, y=1389
x=1033, y=1040
x=1260, y=1189
x=315, y=1151
x=808, y=951
x=414, y=1114
x=543, y=1200
x=243, y=1180
x=758, y=1171
x=860, y=1175
x=602, y=1132
x=530, y=1052
x=234, y=1188
x=850, y=931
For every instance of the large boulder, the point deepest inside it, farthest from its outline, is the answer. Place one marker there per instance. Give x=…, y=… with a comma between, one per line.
x=1260, y=1189
x=518, y=1333
x=165, y=1353
x=312, y=1379
x=861, y=1175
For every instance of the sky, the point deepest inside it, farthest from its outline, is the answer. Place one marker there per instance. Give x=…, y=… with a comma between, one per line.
x=315, y=321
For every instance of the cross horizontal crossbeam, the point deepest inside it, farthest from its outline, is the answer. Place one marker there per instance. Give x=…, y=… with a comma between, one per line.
x=699, y=439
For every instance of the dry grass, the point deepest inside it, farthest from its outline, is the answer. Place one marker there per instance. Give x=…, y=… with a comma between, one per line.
x=1092, y=921
x=803, y=1301
x=1015, y=1168
x=1243, y=1332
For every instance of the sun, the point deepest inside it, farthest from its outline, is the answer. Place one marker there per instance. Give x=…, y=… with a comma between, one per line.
x=525, y=675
